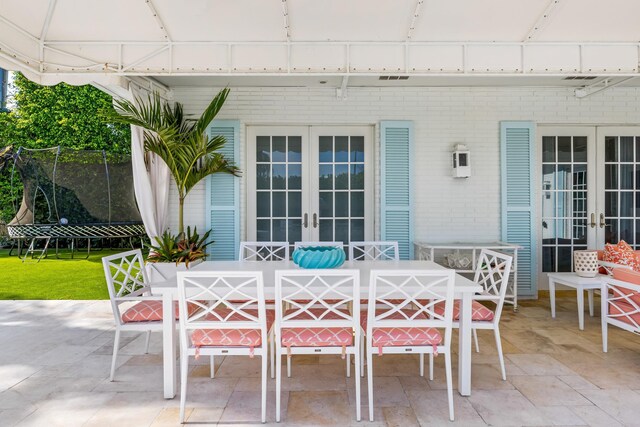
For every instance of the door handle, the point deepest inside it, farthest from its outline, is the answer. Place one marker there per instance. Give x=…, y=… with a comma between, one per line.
x=305, y=221
x=602, y=221
x=315, y=220
x=593, y=220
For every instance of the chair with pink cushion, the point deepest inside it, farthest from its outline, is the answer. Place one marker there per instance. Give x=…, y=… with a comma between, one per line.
x=492, y=273
x=322, y=317
x=620, y=298
x=134, y=309
x=410, y=325
x=232, y=320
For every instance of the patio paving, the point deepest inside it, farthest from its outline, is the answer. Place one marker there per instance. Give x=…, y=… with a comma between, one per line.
x=55, y=358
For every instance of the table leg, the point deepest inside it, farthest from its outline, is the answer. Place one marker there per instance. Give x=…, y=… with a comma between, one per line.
x=169, y=346
x=464, y=346
x=552, y=296
x=580, y=293
x=590, y=295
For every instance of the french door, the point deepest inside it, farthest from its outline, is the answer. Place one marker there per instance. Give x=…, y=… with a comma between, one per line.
x=589, y=191
x=309, y=183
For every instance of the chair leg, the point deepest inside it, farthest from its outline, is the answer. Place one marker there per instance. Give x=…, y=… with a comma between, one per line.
x=348, y=359
x=146, y=345
x=370, y=382
x=447, y=362
x=475, y=339
x=184, y=368
x=421, y=356
x=289, y=366
x=430, y=366
x=496, y=332
x=116, y=344
x=362, y=356
x=264, y=387
x=278, y=380
x=356, y=367
x=604, y=334
x=212, y=364
x=273, y=356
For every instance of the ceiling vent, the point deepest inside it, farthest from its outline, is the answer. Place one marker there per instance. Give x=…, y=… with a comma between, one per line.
x=580, y=78
x=393, y=78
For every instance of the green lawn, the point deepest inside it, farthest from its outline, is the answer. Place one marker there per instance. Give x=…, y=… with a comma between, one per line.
x=53, y=278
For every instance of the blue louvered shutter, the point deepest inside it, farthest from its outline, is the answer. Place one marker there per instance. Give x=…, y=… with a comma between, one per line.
x=396, y=189
x=518, y=197
x=223, y=196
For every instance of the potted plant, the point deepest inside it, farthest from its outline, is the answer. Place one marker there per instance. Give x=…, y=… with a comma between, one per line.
x=189, y=153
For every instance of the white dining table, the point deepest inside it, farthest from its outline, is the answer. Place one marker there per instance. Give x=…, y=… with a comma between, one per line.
x=464, y=290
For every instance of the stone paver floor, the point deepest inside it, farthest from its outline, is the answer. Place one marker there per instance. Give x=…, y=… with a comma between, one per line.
x=55, y=357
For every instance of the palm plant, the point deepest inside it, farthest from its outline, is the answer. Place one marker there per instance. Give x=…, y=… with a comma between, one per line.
x=181, y=143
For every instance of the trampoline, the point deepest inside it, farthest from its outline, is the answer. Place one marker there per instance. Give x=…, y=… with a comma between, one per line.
x=62, y=193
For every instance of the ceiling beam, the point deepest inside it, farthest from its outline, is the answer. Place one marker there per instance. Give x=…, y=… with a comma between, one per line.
x=341, y=92
x=414, y=19
x=285, y=16
x=159, y=21
x=542, y=21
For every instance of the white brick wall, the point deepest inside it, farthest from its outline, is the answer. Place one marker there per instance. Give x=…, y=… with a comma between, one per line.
x=446, y=208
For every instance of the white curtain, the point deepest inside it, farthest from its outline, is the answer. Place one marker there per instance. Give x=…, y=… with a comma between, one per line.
x=151, y=184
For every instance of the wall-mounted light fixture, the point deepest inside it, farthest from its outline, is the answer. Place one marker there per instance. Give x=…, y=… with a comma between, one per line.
x=461, y=161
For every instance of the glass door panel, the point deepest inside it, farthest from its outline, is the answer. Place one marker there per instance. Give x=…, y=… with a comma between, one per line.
x=619, y=185
x=275, y=184
x=344, y=184
x=565, y=185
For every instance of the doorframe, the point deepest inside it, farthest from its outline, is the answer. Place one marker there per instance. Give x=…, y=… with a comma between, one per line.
x=588, y=130
x=306, y=132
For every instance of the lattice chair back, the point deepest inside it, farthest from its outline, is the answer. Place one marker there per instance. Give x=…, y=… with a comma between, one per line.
x=226, y=302
x=371, y=251
x=621, y=304
x=608, y=267
x=493, y=273
x=126, y=277
x=264, y=251
x=298, y=245
x=408, y=299
x=328, y=298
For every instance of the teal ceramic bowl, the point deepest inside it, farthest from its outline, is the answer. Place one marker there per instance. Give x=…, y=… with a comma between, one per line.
x=319, y=257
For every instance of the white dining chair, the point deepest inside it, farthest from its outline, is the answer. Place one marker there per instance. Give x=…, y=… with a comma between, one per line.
x=492, y=273
x=298, y=245
x=264, y=251
x=323, y=318
x=134, y=308
x=375, y=250
x=232, y=320
x=410, y=325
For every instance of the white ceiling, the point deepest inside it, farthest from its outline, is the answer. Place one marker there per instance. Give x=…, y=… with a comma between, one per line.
x=301, y=42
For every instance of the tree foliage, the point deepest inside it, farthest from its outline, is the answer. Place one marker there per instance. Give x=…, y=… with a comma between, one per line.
x=48, y=116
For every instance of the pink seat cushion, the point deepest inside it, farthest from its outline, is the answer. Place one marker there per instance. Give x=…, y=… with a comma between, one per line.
x=630, y=276
x=404, y=336
x=231, y=337
x=316, y=337
x=151, y=311
x=630, y=313
x=479, y=312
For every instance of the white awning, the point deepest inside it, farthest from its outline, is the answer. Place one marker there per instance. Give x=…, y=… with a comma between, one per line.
x=103, y=41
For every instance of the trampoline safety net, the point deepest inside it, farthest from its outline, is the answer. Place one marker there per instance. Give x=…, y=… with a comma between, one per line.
x=61, y=192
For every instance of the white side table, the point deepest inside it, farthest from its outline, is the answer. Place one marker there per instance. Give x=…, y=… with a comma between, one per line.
x=580, y=284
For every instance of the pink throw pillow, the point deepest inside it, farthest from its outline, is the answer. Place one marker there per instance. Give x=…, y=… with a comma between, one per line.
x=622, y=254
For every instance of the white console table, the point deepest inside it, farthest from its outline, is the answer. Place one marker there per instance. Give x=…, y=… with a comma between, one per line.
x=438, y=251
